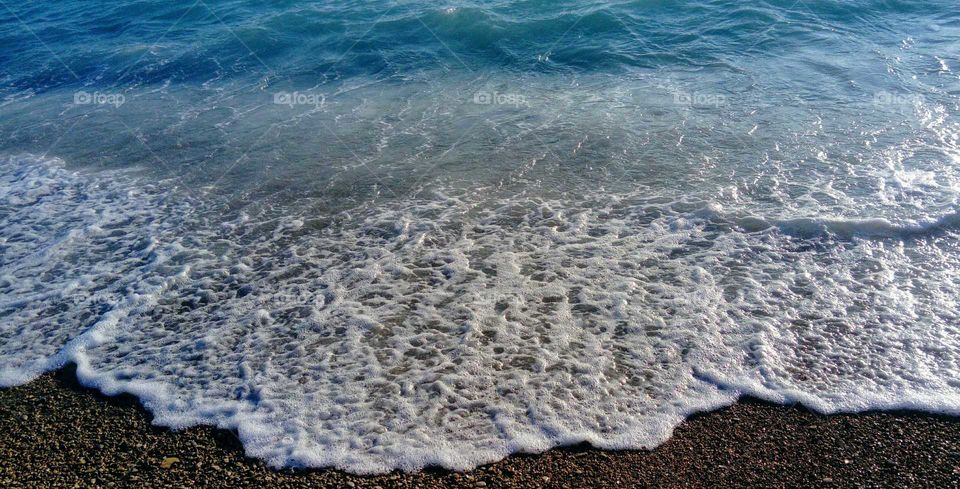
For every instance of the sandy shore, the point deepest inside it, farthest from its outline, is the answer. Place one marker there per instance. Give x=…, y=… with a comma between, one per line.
x=55, y=433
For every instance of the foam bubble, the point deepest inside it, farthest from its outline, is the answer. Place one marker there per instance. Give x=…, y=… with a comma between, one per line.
x=455, y=330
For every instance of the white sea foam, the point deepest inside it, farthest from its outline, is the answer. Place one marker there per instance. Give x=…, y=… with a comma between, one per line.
x=454, y=330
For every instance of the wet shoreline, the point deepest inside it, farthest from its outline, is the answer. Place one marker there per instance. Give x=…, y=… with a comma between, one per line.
x=56, y=433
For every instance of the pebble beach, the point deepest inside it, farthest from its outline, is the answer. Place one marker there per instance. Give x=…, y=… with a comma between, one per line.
x=56, y=433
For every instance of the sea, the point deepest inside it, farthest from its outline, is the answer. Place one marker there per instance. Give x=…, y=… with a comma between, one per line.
x=382, y=234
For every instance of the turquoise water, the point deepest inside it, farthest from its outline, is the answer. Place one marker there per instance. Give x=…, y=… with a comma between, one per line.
x=379, y=235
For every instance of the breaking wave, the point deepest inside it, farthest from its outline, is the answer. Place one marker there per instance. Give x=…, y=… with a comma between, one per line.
x=456, y=329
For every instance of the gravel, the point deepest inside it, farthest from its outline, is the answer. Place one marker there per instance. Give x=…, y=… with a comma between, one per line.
x=55, y=433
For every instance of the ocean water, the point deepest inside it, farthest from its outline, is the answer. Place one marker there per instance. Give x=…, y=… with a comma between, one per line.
x=388, y=235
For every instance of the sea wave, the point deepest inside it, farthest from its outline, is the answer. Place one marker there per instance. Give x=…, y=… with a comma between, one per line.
x=453, y=331
x=333, y=42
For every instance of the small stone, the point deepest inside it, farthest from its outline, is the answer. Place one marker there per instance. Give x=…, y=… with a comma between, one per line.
x=168, y=462
x=480, y=484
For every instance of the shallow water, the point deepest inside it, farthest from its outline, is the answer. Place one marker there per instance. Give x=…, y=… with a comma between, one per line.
x=388, y=235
